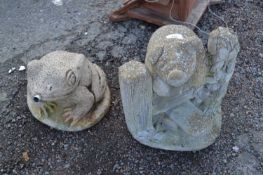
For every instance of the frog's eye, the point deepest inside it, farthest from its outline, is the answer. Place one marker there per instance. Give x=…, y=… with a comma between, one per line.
x=37, y=98
x=71, y=77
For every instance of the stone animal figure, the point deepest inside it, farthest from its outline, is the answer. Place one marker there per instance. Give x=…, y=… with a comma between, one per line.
x=173, y=101
x=66, y=91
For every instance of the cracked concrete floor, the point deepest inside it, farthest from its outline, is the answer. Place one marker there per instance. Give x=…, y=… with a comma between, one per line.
x=31, y=28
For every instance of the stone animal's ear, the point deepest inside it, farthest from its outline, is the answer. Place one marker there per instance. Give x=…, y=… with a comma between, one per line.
x=71, y=77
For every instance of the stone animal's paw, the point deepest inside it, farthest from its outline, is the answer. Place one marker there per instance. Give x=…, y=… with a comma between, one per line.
x=50, y=107
x=40, y=113
x=70, y=117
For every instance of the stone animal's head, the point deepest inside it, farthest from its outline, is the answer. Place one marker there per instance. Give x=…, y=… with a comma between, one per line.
x=54, y=76
x=172, y=54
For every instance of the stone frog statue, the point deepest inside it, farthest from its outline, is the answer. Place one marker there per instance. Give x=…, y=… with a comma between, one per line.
x=66, y=91
x=173, y=101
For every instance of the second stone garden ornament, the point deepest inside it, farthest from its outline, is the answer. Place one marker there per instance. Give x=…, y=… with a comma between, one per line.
x=66, y=91
x=173, y=101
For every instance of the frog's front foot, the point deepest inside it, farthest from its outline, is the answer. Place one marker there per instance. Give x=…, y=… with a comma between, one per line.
x=70, y=116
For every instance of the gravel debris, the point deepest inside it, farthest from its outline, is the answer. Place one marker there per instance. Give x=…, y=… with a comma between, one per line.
x=235, y=148
x=22, y=68
x=11, y=70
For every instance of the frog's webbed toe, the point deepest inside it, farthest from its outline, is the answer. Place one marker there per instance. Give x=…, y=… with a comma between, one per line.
x=41, y=113
x=67, y=113
x=70, y=116
x=49, y=108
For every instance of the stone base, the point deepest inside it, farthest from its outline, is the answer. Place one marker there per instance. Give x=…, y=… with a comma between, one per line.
x=180, y=141
x=85, y=122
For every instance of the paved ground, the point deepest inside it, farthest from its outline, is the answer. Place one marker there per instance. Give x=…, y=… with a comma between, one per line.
x=31, y=28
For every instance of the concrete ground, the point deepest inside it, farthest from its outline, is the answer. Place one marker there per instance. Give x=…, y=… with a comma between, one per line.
x=31, y=28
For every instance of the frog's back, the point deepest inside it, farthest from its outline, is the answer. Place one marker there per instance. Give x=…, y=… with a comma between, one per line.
x=63, y=59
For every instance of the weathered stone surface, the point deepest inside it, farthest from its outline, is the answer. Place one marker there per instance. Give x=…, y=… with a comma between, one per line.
x=3, y=97
x=66, y=91
x=129, y=39
x=101, y=55
x=136, y=105
x=245, y=164
x=104, y=45
x=117, y=51
x=93, y=31
x=173, y=102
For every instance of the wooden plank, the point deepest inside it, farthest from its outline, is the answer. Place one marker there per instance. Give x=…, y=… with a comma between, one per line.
x=158, y=14
x=197, y=12
x=158, y=19
x=149, y=16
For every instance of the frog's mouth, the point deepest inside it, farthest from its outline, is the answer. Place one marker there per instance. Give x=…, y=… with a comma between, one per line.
x=54, y=96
